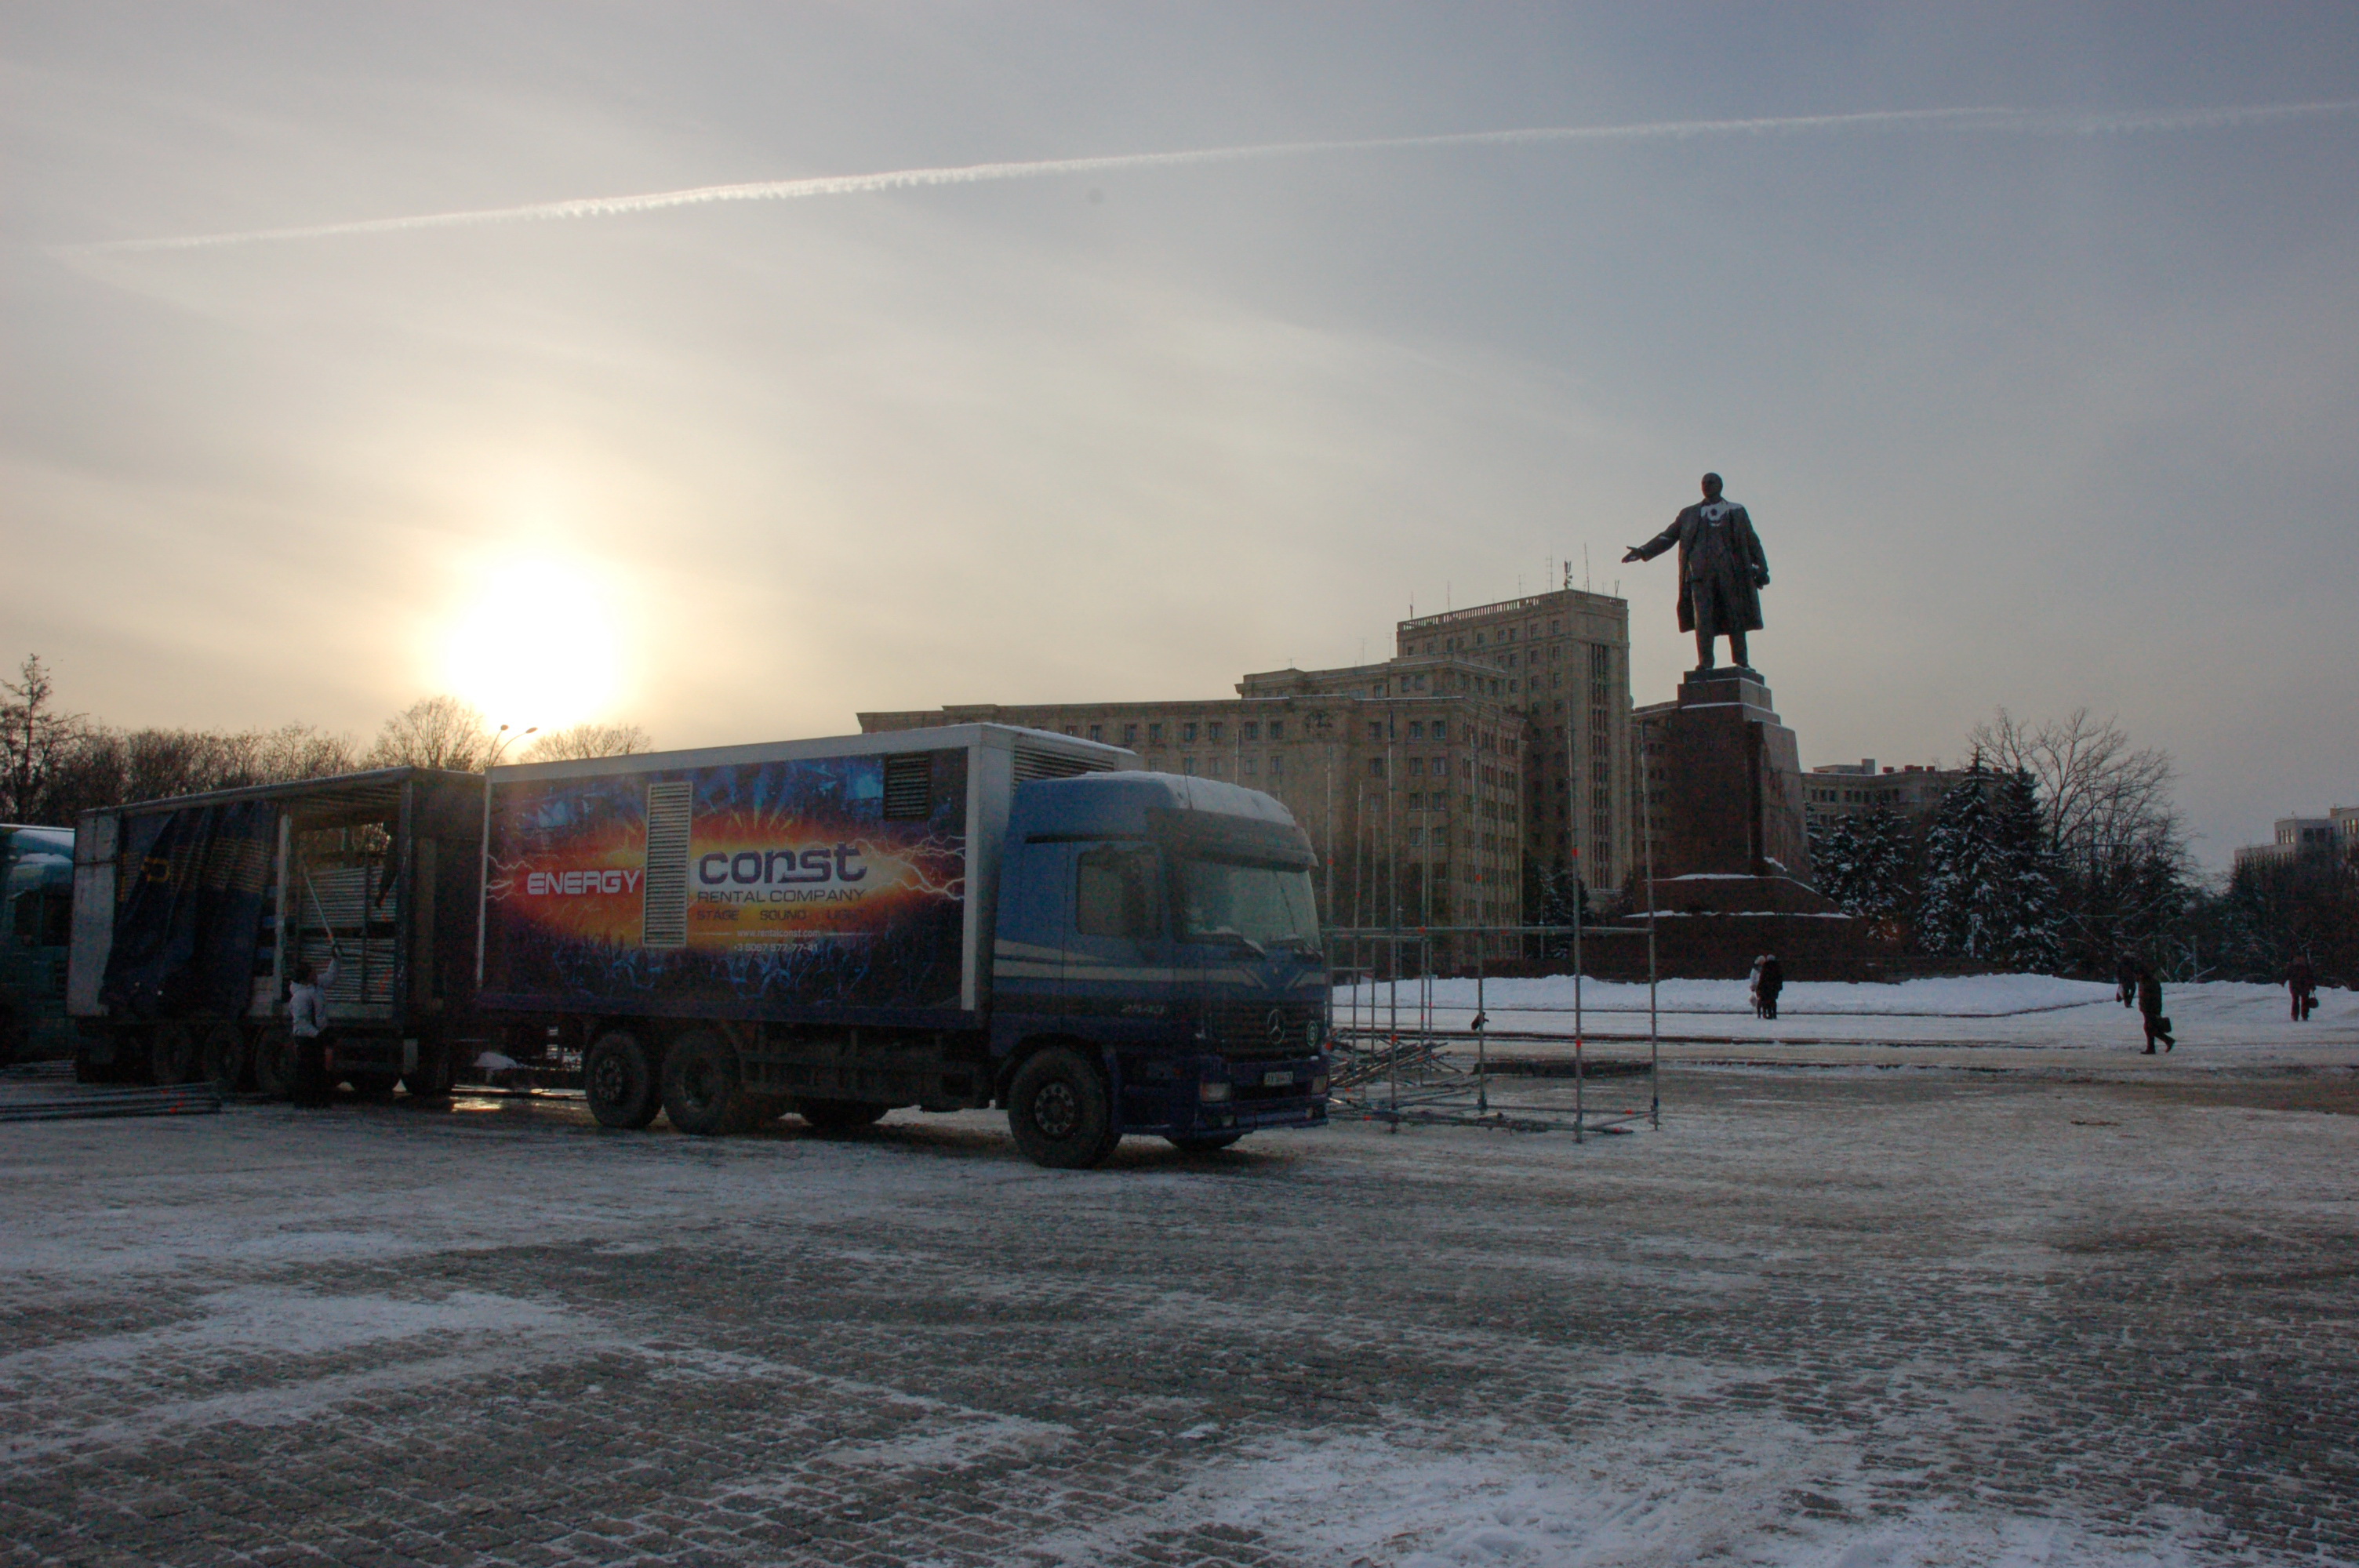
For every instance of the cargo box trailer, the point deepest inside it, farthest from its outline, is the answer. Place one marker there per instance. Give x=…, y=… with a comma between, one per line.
x=192, y=915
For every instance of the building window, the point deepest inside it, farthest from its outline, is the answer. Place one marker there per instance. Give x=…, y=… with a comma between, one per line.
x=1130, y=734
x=1381, y=690
x=1376, y=767
x=1155, y=734
x=1417, y=729
x=1277, y=767
x=1212, y=731
x=1097, y=732
x=1249, y=731
x=1376, y=729
x=1186, y=764
x=1187, y=734
x=1251, y=765
x=1220, y=766
x=1278, y=728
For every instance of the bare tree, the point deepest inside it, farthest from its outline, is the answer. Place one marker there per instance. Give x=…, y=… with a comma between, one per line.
x=34, y=737
x=2113, y=826
x=2101, y=795
x=433, y=732
x=580, y=741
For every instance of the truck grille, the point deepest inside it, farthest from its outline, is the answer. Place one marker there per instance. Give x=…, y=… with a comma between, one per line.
x=1265, y=1031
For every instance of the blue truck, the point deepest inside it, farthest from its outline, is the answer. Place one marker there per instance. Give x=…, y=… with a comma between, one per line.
x=36, y=909
x=956, y=918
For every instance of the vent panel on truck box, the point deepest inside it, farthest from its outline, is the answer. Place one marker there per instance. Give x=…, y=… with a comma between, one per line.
x=670, y=806
x=909, y=788
x=1038, y=762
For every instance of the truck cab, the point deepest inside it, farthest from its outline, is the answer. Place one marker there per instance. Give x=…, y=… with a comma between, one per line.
x=1156, y=951
x=35, y=917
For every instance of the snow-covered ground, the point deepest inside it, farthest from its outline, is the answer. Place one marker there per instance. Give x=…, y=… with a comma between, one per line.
x=2217, y=1024
x=1816, y=1321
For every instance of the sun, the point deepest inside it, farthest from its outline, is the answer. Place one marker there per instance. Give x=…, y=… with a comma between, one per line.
x=539, y=645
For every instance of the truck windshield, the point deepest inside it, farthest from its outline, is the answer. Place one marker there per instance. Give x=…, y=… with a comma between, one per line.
x=1257, y=906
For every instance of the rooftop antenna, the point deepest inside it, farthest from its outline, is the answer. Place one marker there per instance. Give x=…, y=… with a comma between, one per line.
x=1584, y=568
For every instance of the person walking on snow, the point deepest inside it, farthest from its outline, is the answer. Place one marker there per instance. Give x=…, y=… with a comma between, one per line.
x=1753, y=983
x=2149, y=1001
x=2125, y=973
x=1771, y=981
x=306, y=1019
x=2301, y=979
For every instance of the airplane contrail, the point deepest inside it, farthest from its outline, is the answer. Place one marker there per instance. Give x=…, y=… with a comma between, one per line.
x=2017, y=120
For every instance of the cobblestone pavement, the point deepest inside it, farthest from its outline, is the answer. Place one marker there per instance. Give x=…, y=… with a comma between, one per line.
x=1831, y=1318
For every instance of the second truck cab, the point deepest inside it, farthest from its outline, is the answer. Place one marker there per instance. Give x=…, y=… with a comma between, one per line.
x=1164, y=929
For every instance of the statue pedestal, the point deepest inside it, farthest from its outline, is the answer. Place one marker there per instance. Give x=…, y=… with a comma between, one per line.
x=1734, y=782
x=1732, y=870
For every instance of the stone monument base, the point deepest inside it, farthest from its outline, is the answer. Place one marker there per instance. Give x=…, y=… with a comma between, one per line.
x=1712, y=927
x=1732, y=870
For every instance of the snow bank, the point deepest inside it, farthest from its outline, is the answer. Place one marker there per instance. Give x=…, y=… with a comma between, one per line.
x=1969, y=996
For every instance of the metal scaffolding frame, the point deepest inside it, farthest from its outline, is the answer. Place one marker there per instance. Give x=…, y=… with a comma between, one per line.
x=1395, y=1065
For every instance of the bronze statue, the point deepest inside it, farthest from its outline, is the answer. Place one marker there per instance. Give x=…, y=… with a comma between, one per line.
x=1722, y=572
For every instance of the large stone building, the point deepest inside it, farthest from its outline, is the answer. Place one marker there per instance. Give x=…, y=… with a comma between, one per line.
x=1497, y=734
x=2301, y=837
x=1854, y=789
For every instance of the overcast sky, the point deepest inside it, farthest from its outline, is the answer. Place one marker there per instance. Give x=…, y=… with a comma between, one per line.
x=2045, y=410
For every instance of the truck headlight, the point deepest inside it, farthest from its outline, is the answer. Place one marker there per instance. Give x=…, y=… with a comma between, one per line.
x=1212, y=1093
x=1317, y=1084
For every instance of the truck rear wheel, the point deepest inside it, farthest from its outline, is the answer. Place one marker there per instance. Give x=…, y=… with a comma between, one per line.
x=840, y=1115
x=1061, y=1110
x=700, y=1083
x=620, y=1081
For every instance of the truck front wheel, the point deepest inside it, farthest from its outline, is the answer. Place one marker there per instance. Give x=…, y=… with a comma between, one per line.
x=1060, y=1111
x=700, y=1083
x=620, y=1081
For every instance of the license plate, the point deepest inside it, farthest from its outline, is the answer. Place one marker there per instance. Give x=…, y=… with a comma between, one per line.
x=1276, y=1080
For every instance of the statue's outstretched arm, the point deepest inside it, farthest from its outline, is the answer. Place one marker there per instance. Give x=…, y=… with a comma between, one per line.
x=1656, y=545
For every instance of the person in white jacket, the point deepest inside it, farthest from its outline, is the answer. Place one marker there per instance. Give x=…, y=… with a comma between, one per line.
x=306, y=1019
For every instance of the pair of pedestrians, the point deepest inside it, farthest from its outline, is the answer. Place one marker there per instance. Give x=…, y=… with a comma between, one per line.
x=1768, y=978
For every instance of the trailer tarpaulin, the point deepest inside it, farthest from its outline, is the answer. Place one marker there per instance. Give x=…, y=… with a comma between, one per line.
x=194, y=883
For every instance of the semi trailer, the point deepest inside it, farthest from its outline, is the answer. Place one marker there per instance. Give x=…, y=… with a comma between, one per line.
x=952, y=918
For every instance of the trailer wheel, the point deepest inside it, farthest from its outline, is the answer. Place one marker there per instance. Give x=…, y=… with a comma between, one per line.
x=171, y=1055
x=700, y=1083
x=1061, y=1110
x=840, y=1115
x=1203, y=1143
x=620, y=1081
x=274, y=1062
x=432, y=1081
x=224, y=1053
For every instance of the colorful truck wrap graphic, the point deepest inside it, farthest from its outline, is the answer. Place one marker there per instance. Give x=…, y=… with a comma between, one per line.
x=744, y=889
